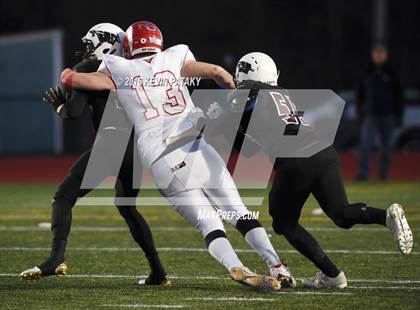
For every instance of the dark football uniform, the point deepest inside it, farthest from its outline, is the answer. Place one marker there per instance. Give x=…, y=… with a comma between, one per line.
x=76, y=103
x=295, y=178
x=94, y=103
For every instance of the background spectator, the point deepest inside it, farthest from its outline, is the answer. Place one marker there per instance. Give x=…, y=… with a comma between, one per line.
x=379, y=108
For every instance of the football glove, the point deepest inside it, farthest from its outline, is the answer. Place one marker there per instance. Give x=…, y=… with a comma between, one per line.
x=55, y=98
x=214, y=111
x=197, y=118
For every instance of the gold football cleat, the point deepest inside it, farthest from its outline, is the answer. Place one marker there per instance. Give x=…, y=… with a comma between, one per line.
x=165, y=282
x=244, y=276
x=61, y=269
x=35, y=273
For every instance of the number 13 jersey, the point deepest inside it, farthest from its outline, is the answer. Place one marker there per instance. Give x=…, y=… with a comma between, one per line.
x=152, y=93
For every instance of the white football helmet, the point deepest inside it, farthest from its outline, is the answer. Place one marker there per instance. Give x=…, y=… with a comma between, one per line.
x=104, y=38
x=257, y=67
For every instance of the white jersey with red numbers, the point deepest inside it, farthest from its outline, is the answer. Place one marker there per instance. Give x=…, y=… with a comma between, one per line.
x=151, y=91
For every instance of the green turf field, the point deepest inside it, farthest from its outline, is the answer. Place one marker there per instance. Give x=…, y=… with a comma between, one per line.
x=105, y=263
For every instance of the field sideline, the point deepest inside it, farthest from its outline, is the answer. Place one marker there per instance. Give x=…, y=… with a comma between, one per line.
x=105, y=263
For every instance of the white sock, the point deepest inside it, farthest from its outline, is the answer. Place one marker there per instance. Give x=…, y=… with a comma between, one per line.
x=222, y=251
x=258, y=240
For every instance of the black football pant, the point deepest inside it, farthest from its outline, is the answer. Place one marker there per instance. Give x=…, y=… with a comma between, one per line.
x=70, y=189
x=295, y=180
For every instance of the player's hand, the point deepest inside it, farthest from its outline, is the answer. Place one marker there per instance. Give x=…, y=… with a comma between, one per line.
x=54, y=97
x=214, y=111
x=197, y=118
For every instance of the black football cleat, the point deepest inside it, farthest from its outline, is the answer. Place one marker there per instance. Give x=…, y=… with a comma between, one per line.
x=156, y=280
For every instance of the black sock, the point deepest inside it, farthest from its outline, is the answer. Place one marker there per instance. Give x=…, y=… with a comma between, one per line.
x=141, y=233
x=305, y=244
x=60, y=226
x=360, y=213
x=156, y=266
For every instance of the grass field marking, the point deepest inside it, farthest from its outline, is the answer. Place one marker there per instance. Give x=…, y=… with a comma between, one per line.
x=115, y=217
x=217, y=278
x=118, y=276
x=176, y=228
x=312, y=293
x=158, y=201
x=142, y=306
x=182, y=249
x=384, y=281
x=414, y=288
x=228, y=298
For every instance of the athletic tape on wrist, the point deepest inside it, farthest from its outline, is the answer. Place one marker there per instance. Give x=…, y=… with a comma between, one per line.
x=67, y=78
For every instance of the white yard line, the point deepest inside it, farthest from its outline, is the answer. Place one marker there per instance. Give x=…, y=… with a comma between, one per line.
x=175, y=228
x=228, y=299
x=184, y=249
x=384, y=281
x=160, y=201
x=312, y=293
x=142, y=306
x=218, y=278
x=118, y=276
x=385, y=287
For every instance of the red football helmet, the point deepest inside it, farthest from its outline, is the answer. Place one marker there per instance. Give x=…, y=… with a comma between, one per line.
x=142, y=37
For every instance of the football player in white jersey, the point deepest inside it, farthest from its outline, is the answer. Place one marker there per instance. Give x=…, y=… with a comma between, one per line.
x=187, y=170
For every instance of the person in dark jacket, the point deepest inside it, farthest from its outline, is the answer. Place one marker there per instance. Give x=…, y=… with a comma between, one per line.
x=379, y=109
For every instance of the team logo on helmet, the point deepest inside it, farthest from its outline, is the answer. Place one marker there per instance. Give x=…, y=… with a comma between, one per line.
x=245, y=67
x=101, y=39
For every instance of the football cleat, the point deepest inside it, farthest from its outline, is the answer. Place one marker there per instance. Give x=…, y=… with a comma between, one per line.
x=150, y=280
x=246, y=277
x=283, y=274
x=35, y=273
x=320, y=280
x=397, y=223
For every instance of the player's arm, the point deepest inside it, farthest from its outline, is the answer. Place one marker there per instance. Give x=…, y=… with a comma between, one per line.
x=208, y=71
x=90, y=81
x=70, y=103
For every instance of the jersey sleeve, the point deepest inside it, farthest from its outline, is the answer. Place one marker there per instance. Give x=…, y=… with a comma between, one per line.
x=103, y=69
x=188, y=56
x=181, y=53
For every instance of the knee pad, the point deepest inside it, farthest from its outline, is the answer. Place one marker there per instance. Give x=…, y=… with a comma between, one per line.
x=214, y=235
x=245, y=225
